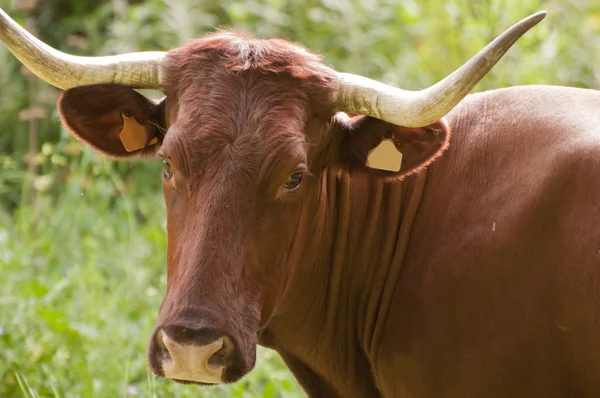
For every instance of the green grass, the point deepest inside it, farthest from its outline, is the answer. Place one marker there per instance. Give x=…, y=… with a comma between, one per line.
x=82, y=275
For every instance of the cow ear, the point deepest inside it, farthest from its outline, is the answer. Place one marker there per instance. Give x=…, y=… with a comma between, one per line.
x=113, y=119
x=390, y=151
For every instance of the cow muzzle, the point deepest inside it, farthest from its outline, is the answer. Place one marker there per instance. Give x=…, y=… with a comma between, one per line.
x=190, y=355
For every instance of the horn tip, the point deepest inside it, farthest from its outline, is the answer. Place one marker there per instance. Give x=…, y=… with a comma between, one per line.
x=538, y=16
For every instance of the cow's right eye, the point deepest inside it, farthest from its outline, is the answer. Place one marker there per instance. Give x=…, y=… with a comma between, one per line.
x=167, y=173
x=293, y=181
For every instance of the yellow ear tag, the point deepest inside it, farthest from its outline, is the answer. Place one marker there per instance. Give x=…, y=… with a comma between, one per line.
x=385, y=156
x=133, y=135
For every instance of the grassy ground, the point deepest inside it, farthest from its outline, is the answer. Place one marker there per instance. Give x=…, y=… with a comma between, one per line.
x=82, y=277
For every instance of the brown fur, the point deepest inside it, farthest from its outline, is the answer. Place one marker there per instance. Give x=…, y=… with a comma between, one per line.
x=332, y=275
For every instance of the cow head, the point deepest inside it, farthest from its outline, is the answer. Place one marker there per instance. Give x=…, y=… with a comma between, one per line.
x=246, y=128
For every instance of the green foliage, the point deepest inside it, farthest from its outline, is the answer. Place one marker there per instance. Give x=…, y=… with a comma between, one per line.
x=82, y=243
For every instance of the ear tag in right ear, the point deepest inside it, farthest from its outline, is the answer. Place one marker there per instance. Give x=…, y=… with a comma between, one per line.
x=385, y=156
x=133, y=135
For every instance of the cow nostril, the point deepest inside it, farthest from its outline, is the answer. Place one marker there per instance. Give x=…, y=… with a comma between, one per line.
x=222, y=356
x=163, y=351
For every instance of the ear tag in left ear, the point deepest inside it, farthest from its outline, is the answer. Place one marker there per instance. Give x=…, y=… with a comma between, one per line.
x=133, y=135
x=385, y=156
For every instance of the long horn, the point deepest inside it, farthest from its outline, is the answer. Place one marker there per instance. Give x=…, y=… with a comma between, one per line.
x=357, y=94
x=137, y=70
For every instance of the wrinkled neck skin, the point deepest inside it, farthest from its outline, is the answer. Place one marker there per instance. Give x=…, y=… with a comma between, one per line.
x=346, y=257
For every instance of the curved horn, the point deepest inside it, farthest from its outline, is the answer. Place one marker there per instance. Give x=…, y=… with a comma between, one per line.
x=137, y=70
x=357, y=94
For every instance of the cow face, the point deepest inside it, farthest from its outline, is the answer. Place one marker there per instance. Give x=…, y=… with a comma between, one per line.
x=236, y=168
x=244, y=134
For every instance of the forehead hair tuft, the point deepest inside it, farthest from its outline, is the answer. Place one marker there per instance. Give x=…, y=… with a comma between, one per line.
x=238, y=52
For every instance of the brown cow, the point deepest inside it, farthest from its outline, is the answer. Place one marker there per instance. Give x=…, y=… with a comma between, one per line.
x=478, y=277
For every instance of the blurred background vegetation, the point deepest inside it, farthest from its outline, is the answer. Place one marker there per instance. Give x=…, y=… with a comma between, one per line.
x=82, y=239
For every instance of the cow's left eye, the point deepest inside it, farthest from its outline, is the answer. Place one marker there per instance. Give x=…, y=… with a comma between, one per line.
x=293, y=181
x=167, y=173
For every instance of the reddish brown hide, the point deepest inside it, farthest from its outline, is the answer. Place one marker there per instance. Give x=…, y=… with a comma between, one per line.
x=476, y=278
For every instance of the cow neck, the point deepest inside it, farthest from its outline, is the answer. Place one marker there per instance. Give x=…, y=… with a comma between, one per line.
x=354, y=237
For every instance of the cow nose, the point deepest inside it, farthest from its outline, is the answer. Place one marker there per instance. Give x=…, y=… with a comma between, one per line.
x=192, y=355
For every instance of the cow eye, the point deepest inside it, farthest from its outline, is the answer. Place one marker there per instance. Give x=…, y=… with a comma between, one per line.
x=167, y=173
x=293, y=181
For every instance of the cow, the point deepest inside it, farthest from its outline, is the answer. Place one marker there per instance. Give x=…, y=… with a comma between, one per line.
x=333, y=219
